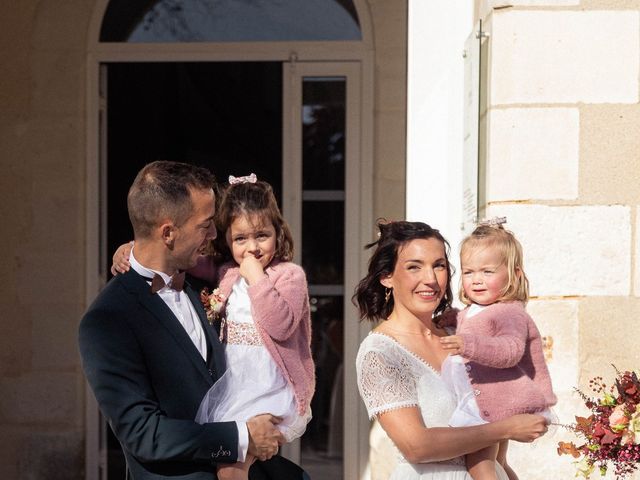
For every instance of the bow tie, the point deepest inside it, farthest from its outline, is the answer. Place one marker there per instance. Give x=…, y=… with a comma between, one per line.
x=175, y=283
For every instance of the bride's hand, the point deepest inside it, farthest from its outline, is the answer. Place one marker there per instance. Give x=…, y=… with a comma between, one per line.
x=526, y=427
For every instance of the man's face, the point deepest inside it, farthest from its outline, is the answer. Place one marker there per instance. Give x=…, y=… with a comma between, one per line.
x=192, y=237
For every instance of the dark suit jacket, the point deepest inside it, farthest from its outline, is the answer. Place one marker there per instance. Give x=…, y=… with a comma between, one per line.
x=149, y=379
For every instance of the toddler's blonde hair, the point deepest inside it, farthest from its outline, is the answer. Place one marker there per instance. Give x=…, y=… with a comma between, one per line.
x=510, y=250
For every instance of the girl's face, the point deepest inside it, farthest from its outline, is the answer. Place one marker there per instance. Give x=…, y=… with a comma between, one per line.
x=419, y=279
x=484, y=274
x=252, y=235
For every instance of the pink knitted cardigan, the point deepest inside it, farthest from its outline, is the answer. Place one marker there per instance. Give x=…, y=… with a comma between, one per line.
x=280, y=308
x=505, y=361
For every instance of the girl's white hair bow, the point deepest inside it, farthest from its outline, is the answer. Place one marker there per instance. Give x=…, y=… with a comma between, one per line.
x=246, y=179
x=492, y=222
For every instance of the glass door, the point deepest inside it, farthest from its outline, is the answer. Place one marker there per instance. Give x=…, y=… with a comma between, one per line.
x=320, y=149
x=207, y=112
x=226, y=116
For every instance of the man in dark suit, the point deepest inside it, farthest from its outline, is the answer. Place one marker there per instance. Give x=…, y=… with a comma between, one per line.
x=147, y=349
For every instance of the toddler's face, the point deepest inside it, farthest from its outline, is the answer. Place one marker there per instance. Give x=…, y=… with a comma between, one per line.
x=252, y=235
x=484, y=275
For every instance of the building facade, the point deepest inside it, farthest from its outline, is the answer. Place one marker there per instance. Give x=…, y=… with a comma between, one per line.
x=553, y=118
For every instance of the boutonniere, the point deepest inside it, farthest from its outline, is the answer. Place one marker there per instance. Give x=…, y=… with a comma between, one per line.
x=213, y=303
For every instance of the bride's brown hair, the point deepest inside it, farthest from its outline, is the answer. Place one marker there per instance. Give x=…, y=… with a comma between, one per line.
x=369, y=295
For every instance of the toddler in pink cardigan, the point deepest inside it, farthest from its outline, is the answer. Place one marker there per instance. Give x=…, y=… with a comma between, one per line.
x=266, y=325
x=499, y=368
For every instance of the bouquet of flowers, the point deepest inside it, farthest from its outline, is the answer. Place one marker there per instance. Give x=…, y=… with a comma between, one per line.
x=213, y=303
x=612, y=431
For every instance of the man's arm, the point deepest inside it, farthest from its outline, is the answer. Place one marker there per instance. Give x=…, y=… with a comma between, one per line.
x=115, y=367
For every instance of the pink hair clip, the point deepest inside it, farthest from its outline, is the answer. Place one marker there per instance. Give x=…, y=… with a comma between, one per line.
x=246, y=179
x=493, y=222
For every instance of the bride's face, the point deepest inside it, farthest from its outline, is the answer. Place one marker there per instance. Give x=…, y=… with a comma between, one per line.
x=419, y=279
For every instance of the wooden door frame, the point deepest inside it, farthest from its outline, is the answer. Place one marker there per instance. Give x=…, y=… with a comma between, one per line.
x=358, y=208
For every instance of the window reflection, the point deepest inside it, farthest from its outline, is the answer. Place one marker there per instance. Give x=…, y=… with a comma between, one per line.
x=322, y=242
x=323, y=127
x=229, y=21
x=323, y=237
x=324, y=432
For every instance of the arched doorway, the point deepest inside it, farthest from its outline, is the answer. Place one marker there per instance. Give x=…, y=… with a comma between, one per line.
x=181, y=80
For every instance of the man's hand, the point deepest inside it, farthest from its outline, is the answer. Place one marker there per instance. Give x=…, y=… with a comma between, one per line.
x=264, y=437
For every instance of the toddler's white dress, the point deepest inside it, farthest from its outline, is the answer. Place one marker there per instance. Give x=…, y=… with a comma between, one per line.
x=454, y=374
x=253, y=383
x=391, y=377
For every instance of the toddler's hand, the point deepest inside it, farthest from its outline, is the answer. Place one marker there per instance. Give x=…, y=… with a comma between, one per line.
x=251, y=269
x=454, y=343
x=121, y=259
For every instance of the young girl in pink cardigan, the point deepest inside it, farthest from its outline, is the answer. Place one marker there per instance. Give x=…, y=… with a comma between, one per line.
x=266, y=322
x=499, y=369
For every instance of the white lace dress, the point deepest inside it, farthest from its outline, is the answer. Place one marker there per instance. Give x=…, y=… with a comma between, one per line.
x=392, y=377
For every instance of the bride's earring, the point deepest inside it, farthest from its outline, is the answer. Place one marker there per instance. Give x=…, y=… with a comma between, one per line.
x=387, y=295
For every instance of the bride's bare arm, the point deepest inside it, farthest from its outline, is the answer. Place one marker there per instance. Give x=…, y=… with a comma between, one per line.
x=419, y=444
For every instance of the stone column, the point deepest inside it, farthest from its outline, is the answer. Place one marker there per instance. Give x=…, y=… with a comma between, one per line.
x=563, y=165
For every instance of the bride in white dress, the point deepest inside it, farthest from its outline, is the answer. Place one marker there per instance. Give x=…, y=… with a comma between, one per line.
x=398, y=364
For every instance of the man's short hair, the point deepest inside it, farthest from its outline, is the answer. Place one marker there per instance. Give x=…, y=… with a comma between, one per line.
x=161, y=191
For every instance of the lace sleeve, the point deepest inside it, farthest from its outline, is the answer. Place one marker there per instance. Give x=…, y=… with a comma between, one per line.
x=385, y=380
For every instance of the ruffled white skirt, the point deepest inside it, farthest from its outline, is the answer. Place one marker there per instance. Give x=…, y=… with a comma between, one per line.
x=454, y=374
x=252, y=385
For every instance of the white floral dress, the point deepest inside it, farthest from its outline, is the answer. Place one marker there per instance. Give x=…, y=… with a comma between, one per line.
x=391, y=377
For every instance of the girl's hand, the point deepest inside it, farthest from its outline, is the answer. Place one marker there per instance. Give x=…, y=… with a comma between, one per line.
x=121, y=259
x=453, y=343
x=251, y=269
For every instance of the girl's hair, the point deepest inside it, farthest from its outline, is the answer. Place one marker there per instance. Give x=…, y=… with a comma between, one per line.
x=369, y=295
x=252, y=199
x=509, y=249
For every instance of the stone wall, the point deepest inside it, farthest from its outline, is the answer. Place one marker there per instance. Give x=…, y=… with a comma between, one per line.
x=389, y=19
x=563, y=164
x=42, y=50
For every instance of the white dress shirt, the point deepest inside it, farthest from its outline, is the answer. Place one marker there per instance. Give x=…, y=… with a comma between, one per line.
x=179, y=304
